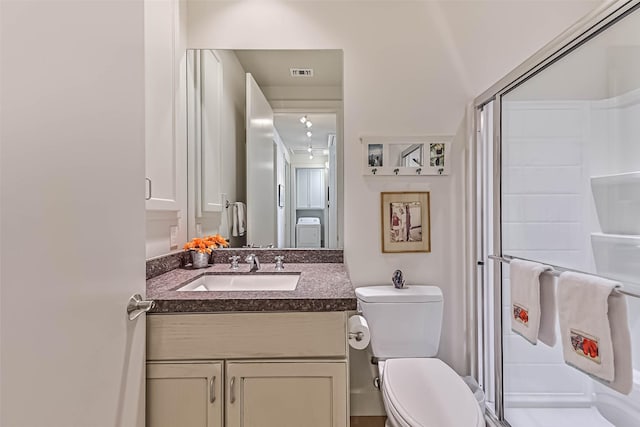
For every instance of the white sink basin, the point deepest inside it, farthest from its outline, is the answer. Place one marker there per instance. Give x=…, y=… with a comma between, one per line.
x=243, y=282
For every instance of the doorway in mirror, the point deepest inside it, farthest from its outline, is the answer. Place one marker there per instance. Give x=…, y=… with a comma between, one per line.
x=277, y=138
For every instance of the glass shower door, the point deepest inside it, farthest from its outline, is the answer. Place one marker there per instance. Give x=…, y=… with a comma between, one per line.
x=570, y=197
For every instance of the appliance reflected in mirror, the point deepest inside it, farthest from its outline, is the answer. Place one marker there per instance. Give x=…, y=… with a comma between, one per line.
x=262, y=135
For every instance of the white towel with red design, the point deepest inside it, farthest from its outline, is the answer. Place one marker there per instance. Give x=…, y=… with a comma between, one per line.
x=533, y=306
x=594, y=329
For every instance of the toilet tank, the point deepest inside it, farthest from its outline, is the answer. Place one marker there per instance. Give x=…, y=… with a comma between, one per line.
x=403, y=322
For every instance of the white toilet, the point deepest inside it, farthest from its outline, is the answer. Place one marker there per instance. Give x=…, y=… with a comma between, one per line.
x=418, y=390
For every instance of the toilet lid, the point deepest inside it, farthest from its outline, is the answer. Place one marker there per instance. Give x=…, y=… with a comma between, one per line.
x=428, y=393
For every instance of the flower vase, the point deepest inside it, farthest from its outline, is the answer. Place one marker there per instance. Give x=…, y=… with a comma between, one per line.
x=199, y=259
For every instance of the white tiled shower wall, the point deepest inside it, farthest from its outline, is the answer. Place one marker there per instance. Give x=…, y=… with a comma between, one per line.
x=544, y=199
x=551, y=150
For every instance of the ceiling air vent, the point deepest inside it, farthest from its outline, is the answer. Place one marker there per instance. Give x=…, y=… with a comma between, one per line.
x=301, y=72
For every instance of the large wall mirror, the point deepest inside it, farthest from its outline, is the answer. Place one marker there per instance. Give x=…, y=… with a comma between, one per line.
x=265, y=146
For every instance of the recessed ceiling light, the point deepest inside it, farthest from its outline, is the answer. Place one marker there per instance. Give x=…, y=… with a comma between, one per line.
x=309, y=133
x=303, y=119
x=309, y=149
x=310, y=156
x=308, y=123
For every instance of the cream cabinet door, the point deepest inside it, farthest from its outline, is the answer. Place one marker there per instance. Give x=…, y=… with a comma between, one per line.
x=163, y=148
x=316, y=188
x=286, y=394
x=184, y=394
x=310, y=188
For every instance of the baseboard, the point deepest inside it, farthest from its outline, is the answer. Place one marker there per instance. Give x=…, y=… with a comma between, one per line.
x=368, y=421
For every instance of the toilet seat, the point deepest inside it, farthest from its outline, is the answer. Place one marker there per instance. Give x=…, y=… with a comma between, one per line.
x=425, y=392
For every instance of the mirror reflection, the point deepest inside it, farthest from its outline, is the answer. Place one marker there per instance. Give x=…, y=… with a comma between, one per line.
x=264, y=146
x=406, y=155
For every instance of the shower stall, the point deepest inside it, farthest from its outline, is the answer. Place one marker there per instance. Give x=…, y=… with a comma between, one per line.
x=557, y=158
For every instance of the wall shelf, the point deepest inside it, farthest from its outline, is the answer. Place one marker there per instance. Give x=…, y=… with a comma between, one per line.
x=406, y=155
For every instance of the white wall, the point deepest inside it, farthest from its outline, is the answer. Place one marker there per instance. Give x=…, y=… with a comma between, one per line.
x=410, y=68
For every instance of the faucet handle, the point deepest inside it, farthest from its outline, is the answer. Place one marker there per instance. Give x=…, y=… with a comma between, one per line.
x=234, y=262
x=398, y=279
x=279, y=263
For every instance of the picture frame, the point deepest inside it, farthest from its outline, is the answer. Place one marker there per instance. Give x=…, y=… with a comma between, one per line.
x=281, y=195
x=374, y=155
x=405, y=221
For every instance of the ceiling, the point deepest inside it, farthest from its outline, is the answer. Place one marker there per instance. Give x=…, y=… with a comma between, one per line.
x=293, y=133
x=271, y=69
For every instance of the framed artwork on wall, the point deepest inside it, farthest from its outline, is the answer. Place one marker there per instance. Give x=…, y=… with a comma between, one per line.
x=405, y=222
x=281, y=195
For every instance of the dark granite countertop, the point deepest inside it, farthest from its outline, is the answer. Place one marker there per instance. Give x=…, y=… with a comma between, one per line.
x=321, y=287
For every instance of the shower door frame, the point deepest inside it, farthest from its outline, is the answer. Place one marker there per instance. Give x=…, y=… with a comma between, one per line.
x=584, y=30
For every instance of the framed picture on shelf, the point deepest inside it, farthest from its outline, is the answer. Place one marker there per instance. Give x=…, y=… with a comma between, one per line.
x=405, y=222
x=374, y=155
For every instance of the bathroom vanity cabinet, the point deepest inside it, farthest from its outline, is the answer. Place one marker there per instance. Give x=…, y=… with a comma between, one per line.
x=247, y=369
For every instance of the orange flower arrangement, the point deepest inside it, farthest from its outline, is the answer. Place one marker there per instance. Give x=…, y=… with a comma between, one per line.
x=206, y=244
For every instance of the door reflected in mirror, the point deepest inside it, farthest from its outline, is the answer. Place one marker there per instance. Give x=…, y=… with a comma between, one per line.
x=265, y=146
x=406, y=155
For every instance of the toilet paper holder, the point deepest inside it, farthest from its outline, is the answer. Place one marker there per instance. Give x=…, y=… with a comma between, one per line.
x=357, y=335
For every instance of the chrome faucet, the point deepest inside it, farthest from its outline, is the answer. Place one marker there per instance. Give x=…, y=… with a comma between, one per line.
x=398, y=279
x=254, y=262
x=279, y=263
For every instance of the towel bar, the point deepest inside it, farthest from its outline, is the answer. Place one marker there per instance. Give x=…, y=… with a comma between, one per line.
x=558, y=270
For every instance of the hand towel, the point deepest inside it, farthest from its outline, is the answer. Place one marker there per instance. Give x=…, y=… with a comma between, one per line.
x=595, y=330
x=234, y=220
x=547, y=331
x=239, y=227
x=529, y=288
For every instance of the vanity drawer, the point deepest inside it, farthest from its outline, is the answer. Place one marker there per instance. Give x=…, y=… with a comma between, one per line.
x=246, y=335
